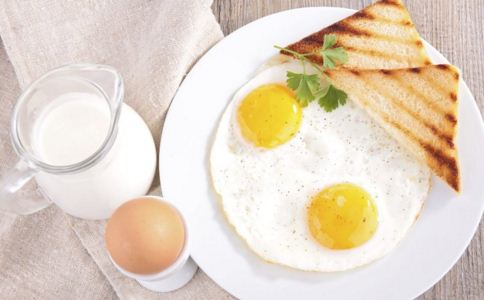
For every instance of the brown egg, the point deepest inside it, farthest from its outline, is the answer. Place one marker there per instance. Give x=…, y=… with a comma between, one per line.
x=145, y=236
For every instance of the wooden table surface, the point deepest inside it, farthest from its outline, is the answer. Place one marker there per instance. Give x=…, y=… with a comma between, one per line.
x=456, y=29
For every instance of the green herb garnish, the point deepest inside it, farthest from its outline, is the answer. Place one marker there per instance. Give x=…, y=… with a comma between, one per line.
x=310, y=87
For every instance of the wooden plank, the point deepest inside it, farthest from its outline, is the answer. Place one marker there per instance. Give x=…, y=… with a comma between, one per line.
x=455, y=28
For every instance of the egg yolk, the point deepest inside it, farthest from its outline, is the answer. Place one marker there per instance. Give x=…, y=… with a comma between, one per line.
x=342, y=216
x=269, y=115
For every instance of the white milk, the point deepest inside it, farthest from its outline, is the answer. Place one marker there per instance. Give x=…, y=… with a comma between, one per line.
x=71, y=129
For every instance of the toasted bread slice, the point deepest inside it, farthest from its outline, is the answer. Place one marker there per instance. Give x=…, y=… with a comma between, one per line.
x=417, y=106
x=380, y=36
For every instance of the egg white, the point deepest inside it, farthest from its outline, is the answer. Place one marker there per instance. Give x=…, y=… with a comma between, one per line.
x=265, y=192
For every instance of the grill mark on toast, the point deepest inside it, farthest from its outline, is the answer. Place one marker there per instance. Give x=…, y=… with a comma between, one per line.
x=342, y=28
x=443, y=67
x=309, y=44
x=448, y=139
x=314, y=39
x=362, y=14
x=376, y=53
x=453, y=96
x=412, y=35
x=406, y=23
x=451, y=118
x=390, y=38
x=367, y=15
x=388, y=3
x=448, y=162
x=386, y=72
x=415, y=115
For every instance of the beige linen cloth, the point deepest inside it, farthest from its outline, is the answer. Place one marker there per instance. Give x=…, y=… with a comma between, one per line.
x=50, y=255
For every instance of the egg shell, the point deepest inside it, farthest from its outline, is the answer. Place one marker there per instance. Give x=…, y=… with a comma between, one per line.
x=145, y=236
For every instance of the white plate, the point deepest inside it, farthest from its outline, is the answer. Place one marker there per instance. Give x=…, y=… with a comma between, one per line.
x=432, y=246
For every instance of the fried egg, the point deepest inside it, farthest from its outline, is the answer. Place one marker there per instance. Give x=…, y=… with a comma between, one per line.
x=309, y=189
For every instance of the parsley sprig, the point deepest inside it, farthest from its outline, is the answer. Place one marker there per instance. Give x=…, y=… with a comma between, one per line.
x=310, y=87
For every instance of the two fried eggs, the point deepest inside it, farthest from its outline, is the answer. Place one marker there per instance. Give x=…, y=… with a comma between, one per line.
x=309, y=189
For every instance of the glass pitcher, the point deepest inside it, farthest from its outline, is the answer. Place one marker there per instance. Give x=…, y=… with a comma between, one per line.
x=87, y=150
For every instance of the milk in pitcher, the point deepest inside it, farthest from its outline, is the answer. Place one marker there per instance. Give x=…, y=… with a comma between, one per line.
x=72, y=128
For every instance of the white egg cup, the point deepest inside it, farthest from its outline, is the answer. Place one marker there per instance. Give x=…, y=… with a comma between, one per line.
x=173, y=277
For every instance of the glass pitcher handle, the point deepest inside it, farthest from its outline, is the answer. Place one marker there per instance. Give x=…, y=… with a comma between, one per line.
x=13, y=181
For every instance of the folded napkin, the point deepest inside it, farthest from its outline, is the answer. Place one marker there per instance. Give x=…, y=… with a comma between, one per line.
x=153, y=44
